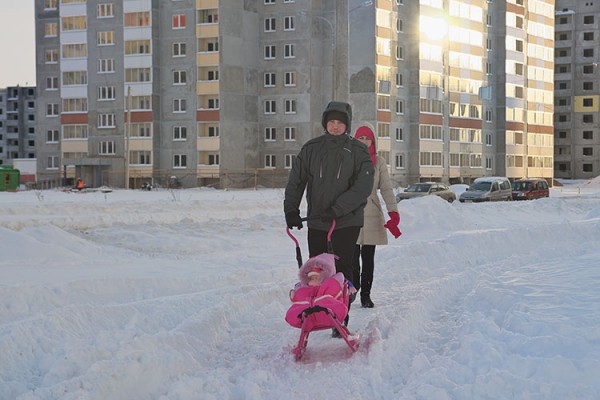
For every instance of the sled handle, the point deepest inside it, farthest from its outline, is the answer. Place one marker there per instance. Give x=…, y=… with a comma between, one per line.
x=329, y=243
x=298, y=252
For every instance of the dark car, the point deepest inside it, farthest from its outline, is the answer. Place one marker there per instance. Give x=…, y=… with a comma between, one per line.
x=427, y=188
x=530, y=189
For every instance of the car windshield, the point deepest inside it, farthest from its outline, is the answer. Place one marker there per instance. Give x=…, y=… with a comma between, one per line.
x=521, y=185
x=420, y=188
x=482, y=186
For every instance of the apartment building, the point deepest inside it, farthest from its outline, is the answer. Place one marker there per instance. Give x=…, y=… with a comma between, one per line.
x=209, y=92
x=577, y=84
x=482, y=72
x=17, y=123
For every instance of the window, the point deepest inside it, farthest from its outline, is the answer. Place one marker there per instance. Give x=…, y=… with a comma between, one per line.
x=137, y=47
x=50, y=4
x=179, y=133
x=587, y=151
x=53, y=162
x=269, y=79
x=270, y=107
x=588, y=53
x=179, y=105
x=399, y=107
x=289, y=23
x=588, y=36
x=269, y=24
x=74, y=105
x=105, y=10
x=179, y=21
x=52, y=110
x=207, y=16
x=74, y=78
x=270, y=134
x=51, y=56
x=141, y=129
x=74, y=132
x=179, y=77
x=519, y=45
x=140, y=158
x=588, y=135
x=588, y=119
x=133, y=19
x=588, y=69
x=106, y=148
x=179, y=49
x=213, y=103
x=213, y=159
x=399, y=53
x=52, y=136
x=289, y=51
x=289, y=160
x=74, y=50
x=290, y=79
x=399, y=80
x=588, y=85
x=270, y=161
x=588, y=19
x=399, y=134
x=73, y=23
x=290, y=106
x=106, y=65
x=270, y=52
x=141, y=102
x=519, y=69
x=106, y=121
x=106, y=38
x=269, y=1
x=138, y=75
x=51, y=29
x=399, y=164
x=587, y=168
x=519, y=22
x=179, y=161
x=289, y=133
x=52, y=83
x=208, y=45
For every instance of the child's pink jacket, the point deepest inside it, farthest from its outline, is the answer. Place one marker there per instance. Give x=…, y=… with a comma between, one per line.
x=328, y=295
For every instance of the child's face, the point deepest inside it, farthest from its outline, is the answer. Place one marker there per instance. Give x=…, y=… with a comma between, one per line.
x=314, y=280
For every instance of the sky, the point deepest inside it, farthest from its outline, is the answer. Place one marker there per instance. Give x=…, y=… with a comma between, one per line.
x=182, y=294
x=17, y=43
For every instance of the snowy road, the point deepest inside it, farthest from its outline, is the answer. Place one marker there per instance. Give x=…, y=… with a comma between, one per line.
x=184, y=298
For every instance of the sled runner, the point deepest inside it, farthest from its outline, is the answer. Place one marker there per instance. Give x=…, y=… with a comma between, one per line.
x=320, y=299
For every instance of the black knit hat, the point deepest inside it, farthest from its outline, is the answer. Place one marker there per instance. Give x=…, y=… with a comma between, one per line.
x=340, y=111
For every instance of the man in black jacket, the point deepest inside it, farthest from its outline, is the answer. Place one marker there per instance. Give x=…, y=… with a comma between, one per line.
x=337, y=173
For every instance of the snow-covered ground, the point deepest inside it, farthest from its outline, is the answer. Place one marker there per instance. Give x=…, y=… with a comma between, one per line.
x=182, y=295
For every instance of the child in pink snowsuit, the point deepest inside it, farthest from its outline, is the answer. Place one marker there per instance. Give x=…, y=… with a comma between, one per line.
x=319, y=285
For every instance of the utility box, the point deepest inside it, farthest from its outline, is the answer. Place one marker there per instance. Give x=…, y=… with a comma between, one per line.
x=9, y=178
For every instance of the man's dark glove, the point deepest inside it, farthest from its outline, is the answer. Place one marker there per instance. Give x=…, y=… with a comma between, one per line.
x=328, y=215
x=292, y=219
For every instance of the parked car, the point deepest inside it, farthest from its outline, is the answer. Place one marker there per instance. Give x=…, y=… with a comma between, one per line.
x=427, y=188
x=530, y=189
x=488, y=189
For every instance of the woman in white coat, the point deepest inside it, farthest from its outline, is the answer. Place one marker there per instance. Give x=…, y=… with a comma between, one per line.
x=373, y=232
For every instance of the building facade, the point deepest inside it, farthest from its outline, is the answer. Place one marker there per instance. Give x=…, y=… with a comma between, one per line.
x=577, y=83
x=17, y=123
x=209, y=92
x=457, y=89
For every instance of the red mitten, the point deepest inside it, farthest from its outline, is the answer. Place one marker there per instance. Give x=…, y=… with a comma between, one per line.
x=392, y=224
